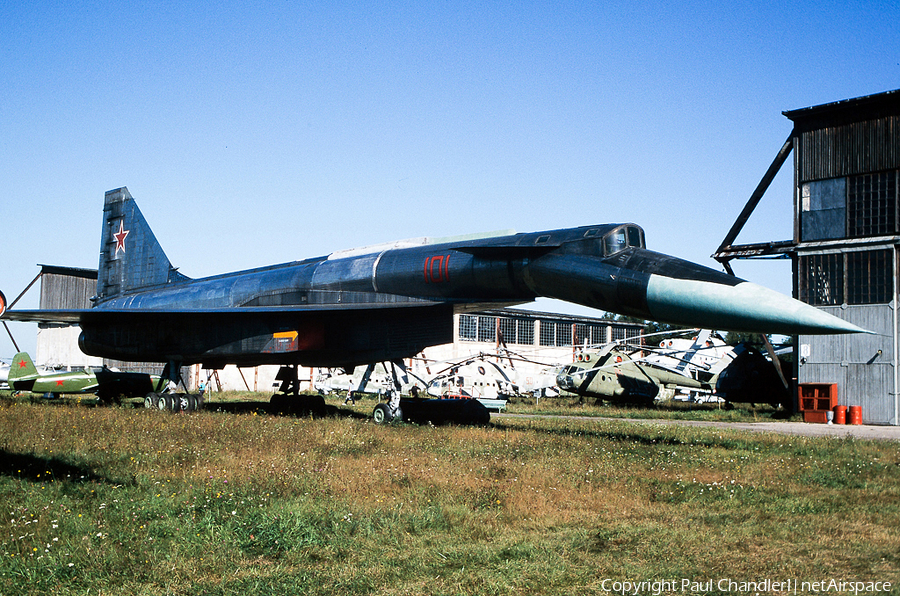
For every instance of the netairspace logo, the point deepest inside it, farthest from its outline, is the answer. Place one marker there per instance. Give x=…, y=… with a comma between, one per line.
x=764, y=586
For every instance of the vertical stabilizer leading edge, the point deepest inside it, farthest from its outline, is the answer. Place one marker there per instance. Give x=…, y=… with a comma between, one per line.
x=130, y=257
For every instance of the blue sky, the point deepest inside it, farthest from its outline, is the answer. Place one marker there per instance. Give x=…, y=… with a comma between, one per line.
x=258, y=133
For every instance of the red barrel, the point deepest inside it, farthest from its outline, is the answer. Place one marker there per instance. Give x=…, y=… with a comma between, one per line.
x=855, y=414
x=840, y=415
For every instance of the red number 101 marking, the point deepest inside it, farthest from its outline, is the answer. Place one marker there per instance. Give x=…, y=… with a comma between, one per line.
x=437, y=269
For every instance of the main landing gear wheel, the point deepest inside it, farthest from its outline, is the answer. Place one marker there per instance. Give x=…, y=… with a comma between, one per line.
x=173, y=402
x=383, y=415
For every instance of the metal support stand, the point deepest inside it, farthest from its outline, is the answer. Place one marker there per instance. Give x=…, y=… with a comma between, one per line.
x=290, y=380
x=289, y=400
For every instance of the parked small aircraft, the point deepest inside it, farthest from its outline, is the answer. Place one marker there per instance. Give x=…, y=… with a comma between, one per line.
x=693, y=356
x=705, y=365
x=489, y=377
x=331, y=380
x=107, y=384
x=750, y=377
x=387, y=302
x=484, y=377
x=612, y=374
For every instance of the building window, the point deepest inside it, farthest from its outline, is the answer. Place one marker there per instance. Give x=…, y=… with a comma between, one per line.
x=487, y=328
x=467, y=327
x=556, y=333
x=872, y=204
x=582, y=334
x=823, y=209
x=508, y=330
x=517, y=331
x=526, y=332
x=553, y=333
x=822, y=279
x=598, y=334
x=634, y=337
x=869, y=279
x=548, y=333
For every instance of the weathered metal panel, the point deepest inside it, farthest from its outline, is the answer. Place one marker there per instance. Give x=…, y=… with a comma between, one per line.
x=870, y=386
x=825, y=194
x=861, y=365
x=64, y=291
x=848, y=149
x=865, y=385
x=823, y=209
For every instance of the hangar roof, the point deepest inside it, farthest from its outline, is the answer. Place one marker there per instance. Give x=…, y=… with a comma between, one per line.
x=69, y=271
x=858, y=109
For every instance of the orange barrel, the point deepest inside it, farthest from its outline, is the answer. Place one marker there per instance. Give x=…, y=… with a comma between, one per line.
x=855, y=414
x=840, y=414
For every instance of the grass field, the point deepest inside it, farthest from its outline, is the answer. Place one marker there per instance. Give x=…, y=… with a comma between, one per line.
x=115, y=500
x=670, y=410
x=562, y=406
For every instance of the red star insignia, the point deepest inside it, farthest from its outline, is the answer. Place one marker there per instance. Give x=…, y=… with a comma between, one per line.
x=120, y=237
x=59, y=383
x=22, y=364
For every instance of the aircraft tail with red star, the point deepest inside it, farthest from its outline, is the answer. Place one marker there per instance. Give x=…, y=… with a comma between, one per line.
x=130, y=256
x=21, y=366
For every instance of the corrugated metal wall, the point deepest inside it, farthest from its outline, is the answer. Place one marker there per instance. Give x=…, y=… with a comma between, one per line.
x=855, y=148
x=864, y=377
x=66, y=291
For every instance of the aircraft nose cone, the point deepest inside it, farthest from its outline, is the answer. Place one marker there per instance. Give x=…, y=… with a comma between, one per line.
x=564, y=381
x=742, y=307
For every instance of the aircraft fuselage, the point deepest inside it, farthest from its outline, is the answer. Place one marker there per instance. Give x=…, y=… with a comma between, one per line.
x=383, y=303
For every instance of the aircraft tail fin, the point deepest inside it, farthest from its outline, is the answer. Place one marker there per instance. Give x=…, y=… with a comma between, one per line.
x=22, y=366
x=130, y=256
x=723, y=363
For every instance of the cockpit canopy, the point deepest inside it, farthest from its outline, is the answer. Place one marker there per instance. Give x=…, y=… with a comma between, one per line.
x=622, y=237
x=597, y=241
